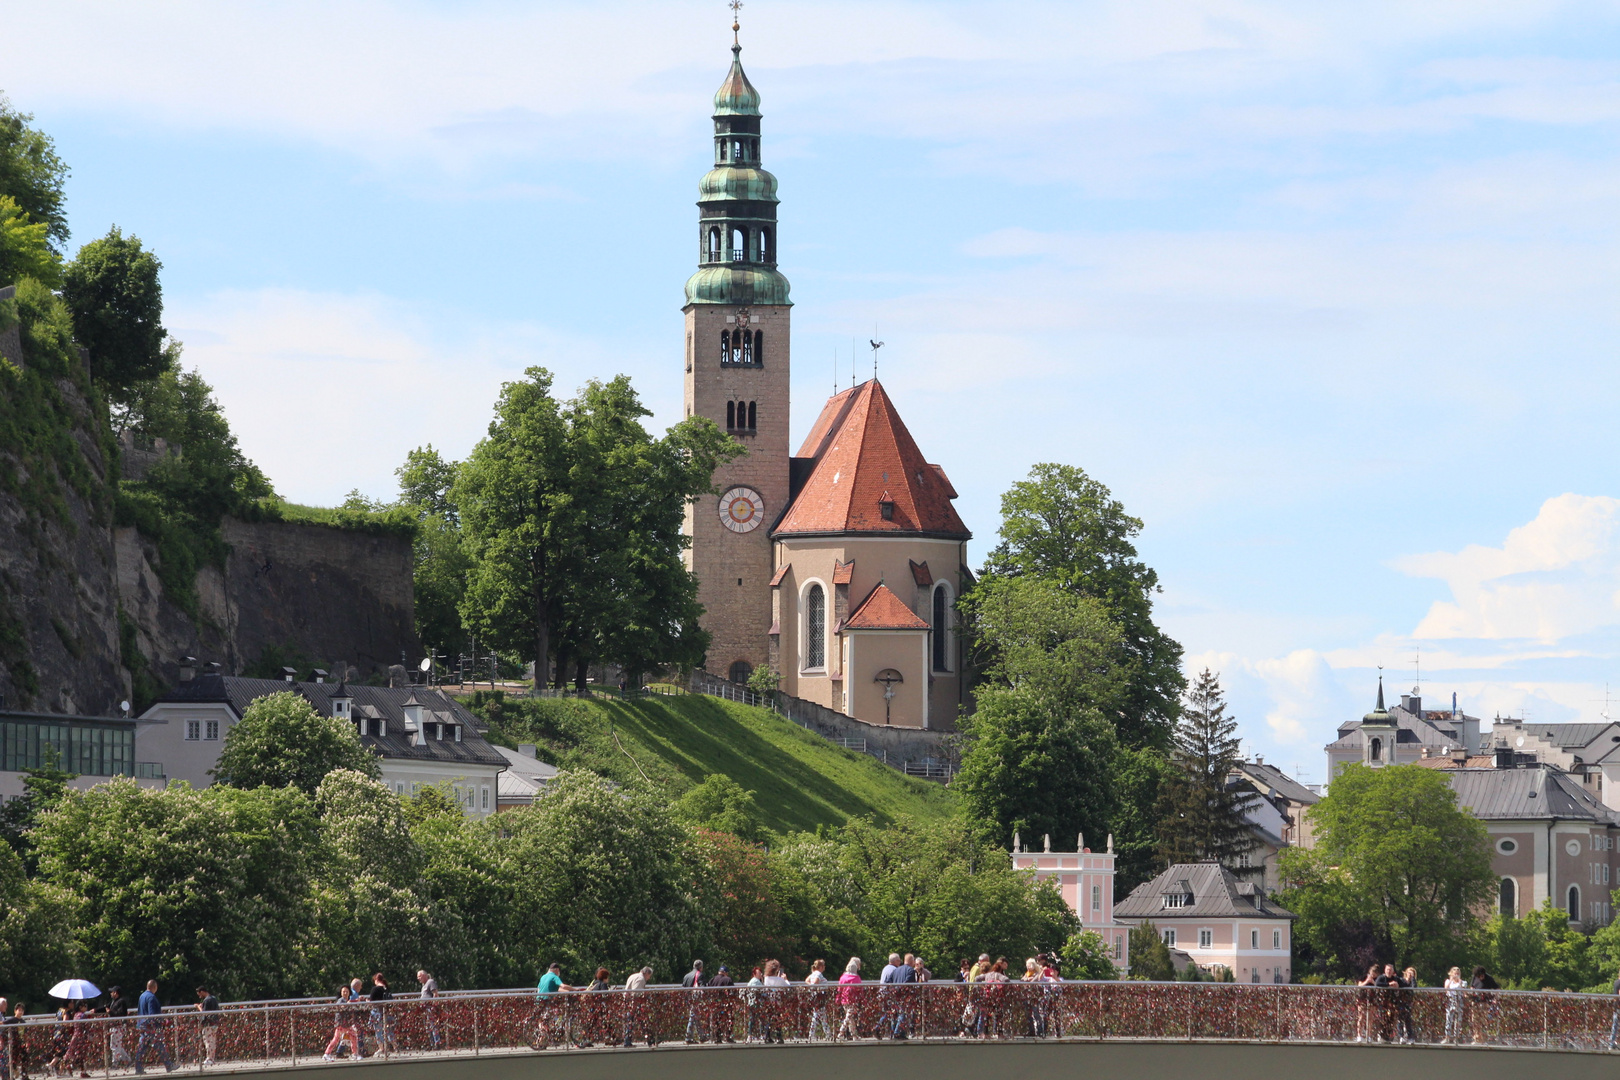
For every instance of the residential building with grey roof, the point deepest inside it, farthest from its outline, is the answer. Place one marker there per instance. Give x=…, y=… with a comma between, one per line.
x=1217, y=921
x=421, y=736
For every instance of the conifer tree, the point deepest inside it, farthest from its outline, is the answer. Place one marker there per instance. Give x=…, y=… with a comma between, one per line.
x=1201, y=814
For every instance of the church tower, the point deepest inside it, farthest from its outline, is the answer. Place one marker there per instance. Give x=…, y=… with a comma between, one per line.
x=737, y=349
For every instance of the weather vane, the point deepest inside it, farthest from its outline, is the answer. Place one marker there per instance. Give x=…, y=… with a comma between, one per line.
x=736, y=8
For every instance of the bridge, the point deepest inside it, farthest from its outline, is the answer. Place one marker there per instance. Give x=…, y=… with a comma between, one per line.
x=944, y=1031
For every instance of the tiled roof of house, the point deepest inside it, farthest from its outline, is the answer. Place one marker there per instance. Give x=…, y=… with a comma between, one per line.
x=1536, y=792
x=1214, y=891
x=369, y=701
x=883, y=610
x=864, y=459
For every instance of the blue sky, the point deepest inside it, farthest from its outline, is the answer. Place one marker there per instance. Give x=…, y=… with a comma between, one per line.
x=1325, y=293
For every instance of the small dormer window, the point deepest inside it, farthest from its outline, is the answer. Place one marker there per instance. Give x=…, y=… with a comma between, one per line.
x=886, y=507
x=457, y=729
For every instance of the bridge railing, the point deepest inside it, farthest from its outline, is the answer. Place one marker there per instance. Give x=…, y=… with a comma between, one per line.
x=474, y=1024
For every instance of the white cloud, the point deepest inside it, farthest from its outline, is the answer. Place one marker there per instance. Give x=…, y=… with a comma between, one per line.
x=327, y=392
x=1553, y=578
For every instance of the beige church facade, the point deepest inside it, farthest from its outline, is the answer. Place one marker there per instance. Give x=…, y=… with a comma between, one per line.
x=838, y=566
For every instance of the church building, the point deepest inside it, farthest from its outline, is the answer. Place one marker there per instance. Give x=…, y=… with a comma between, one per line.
x=839, y=566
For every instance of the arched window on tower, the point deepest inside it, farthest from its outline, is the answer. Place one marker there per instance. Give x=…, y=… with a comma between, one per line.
x=815, y=627
x=942, y=629
x=765, y=245
x=739, y=245
x=1375, y=751
x=751, y=415
x=725, y=147
x=747, y=356
x=725, y=346
x=731, y=415
x=759, y=348
x=714, y=244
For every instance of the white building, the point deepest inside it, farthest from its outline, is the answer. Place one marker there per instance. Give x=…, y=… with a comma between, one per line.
x=525, y=778
x=95, y=748
x=1086, y=880
x=1201, y=909
x=423, y=737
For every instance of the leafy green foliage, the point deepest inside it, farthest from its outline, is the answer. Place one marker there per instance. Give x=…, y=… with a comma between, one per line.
x=36, y=940
x=1201, y=815
x=440, y=559
x=1393, y=850
x=184, y=886
x=281, y=741
x=1039, y=748
x=934, y=888
x=25, y=247
x=721, y=804
x=1062, y=525
x=43, y=790
x=31, y=173
x=1150, y=956
x=112, y=288
x=1086, y=956
x=571, y=515
x=425, y=481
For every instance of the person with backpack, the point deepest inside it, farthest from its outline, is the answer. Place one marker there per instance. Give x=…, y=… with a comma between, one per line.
x=696, y=1021
x=208, y=1005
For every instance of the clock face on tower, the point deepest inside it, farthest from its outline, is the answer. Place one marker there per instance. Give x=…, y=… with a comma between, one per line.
x=741, y=509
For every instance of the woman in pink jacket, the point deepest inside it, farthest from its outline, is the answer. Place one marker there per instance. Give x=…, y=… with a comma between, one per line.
x=848, y=996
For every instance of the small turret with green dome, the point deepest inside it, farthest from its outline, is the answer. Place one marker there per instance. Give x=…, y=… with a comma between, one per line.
x=737, y=206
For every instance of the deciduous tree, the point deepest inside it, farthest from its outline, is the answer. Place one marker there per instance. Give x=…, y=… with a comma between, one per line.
x=282, y=741
x=112, y=288
x=31, y=173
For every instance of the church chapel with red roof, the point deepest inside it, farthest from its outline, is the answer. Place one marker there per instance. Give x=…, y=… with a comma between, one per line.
x=837, y=566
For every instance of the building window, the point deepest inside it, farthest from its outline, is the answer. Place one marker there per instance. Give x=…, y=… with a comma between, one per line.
x=1170, y=938
x=399, y=788
x=193, y=730
x=1119, y=946
x=731, y=416
x=1206, y=938
x=740, y=671
x=815, y=626
x=1254, y=975
x=483, y=794
x=759, y=348
x=211, y=730
x=1277, y=975
x=1573, y=903
x=1375, y=750
x=1254, y=939
x=1276, y=939
x=1508, y=898
x=752, y=416
x=942, y=628
x=1096, y=898
x=1506, y=847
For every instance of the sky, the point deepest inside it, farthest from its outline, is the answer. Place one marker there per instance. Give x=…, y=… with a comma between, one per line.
x=1324, y=293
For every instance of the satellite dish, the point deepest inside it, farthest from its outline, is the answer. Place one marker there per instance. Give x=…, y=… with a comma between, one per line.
x=426, y=664
x=1519, y=743
x=125, y=706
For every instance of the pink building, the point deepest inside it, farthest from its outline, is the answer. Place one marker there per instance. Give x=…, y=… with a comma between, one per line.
x=1086, y=880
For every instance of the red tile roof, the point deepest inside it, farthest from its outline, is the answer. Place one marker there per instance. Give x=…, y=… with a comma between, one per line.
x=921, y=574
x=844, y=572
x=882, y=610
x=865, y=456
x=780, y=574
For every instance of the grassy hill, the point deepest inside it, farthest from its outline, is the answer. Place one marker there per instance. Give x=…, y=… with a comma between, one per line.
x=799, y=779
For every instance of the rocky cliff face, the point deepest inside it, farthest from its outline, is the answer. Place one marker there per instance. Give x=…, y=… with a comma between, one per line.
x=325, y=593
x=84, y=621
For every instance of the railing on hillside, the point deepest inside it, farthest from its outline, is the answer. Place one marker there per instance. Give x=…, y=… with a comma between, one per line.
x=929, y=769
x=293, y=1034
x=704, y=683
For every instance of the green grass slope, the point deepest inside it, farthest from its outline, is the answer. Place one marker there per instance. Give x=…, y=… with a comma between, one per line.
x=799, y=779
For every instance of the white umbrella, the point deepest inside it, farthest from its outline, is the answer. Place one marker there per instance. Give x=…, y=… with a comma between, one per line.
x=75, y=990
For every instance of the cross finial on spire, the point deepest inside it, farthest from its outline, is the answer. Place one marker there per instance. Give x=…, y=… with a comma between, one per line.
x=736, y=8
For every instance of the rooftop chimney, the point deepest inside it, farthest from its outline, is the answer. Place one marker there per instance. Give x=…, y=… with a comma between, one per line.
x=526, y=749
x=188, y=668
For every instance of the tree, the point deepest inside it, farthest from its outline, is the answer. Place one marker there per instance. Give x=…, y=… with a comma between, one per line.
x=425, y=481
x=186, y=886
x=1066, y=527
x=36, y=938
x=25, y=247
x=439, y=557
x=1086, y=956
x=44, y=789
x=1395, y=849
x=31, y=173
x=282, y=741
x=1150, y=956
x=720, y=804
x=1202, y=814
x=571, y=517
x=1039, y=750
x=112, y=288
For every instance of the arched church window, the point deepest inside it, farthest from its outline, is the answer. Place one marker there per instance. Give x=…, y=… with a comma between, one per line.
x=725, y=346
x=815, y=627
x=942, y=614
x=747, y=353
x=731, y=415
x=740, y=670
x=1508, y=897
x=1573, y=903
x=750, y=415
x=759, y=348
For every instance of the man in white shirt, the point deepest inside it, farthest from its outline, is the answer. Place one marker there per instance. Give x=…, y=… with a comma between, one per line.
x=635, y=1011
